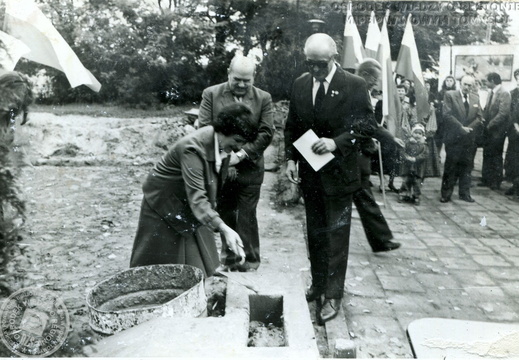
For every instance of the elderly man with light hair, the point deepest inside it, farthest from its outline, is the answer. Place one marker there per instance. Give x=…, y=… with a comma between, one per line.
x=336, y=106
x=241, y=189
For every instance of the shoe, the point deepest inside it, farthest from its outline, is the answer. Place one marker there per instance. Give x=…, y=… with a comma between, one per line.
x=510, y=191
x=329, y=310
x=313, y=293
x=483, y=184
x=388, y=246
x=245, y=267
x=495, y=187
x=222, y=268
x=416, y=201
x=467, y=198
x=404, y=199
x=392, y=188
x=444, y=200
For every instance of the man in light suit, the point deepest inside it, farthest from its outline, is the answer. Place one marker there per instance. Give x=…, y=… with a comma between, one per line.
x=336, y=106
x=462, y=121
x=241, y=192
x=497, y=122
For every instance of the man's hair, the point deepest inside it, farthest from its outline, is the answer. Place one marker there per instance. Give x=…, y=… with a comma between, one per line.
x=401, y=86
x=240, y=58
x=321, y=39
x=516, y=74
x=369, y=66
x=236, y=119
x=494, y=77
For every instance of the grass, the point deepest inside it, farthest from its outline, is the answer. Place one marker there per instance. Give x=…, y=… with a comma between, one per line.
x=111, y=111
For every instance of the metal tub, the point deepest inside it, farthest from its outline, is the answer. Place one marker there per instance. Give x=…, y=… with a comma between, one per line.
x=139, y=294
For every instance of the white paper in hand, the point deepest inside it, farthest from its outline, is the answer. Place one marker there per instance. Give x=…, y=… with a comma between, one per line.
x=304, y=146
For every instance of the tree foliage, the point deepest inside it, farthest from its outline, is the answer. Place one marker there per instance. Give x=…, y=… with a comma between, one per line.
x=168, y=51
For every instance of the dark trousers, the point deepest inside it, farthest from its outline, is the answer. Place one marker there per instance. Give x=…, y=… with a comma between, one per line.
x=328, y=222
x=375, y=225
x=237, y=208
x=492, y=170
x=459, y=162
x=412, y=183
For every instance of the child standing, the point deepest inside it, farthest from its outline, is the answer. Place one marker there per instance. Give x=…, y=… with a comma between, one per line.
x=413, y=164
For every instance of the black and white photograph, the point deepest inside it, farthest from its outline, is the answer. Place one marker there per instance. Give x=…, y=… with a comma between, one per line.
x=235, y=179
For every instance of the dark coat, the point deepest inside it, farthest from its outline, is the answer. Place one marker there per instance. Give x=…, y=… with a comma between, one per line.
x=497, y=116
x=178, y=213
x=345, y=109
x=454, y=118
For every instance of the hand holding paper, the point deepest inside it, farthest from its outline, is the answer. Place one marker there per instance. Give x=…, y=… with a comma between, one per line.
x=305, y=145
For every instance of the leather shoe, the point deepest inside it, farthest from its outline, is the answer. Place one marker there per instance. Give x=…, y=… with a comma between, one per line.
x=495, y=187
x=467, y=198
x=444, y=200
x=483, y=184
x=387, y=246
x=392, y=188
x=510, y=191
x=313, y=293
x=329, y=310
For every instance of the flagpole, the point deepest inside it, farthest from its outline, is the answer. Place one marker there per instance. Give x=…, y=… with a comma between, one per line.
x=382, y=180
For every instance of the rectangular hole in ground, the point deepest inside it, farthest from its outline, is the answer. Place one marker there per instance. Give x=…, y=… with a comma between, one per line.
x=266, y=326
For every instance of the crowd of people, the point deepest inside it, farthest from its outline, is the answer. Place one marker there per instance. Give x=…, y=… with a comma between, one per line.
x=210, y=180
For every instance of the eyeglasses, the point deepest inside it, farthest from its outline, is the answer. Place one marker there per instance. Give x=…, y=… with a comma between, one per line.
x=319, y=63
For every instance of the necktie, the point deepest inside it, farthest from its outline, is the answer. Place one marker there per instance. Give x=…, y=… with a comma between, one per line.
x=319, y=97
x=466, y=104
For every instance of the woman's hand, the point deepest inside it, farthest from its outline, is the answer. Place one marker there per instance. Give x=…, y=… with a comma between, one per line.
x=233, y=241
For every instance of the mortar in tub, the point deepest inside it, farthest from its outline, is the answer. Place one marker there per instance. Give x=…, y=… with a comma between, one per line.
x=139, y=294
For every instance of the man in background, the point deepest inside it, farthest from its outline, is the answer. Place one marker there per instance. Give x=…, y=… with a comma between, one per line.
x=462, y=120
x=241, y=191
x=375, y=226
x=497, y=122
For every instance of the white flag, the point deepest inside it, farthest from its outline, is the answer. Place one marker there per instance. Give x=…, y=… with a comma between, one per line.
x=11, y=51
x=27, y=23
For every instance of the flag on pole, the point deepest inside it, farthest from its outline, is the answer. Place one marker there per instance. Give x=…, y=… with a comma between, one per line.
x=353, y=51
x=372, y=37
x=27, y=23
x=408, y=65
x=391, y=106
x=11, y=51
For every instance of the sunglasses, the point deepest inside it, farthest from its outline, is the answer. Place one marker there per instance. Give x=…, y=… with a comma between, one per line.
x=319, y=63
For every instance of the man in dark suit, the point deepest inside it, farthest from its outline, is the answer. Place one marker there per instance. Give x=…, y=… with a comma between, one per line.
x=336, y=106
x=497, y=122
x=375, y=226
x=462, y=121
x=242, y=189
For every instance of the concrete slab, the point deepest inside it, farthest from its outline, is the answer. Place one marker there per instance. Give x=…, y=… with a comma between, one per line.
x=226, y=336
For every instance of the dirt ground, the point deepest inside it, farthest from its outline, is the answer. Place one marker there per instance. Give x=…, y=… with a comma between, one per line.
x=82, y=187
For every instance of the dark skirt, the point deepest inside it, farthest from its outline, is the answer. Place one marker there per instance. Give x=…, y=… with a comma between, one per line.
x=432, y=167
x=390, y=160
x=157, y=242
x=512, y=157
